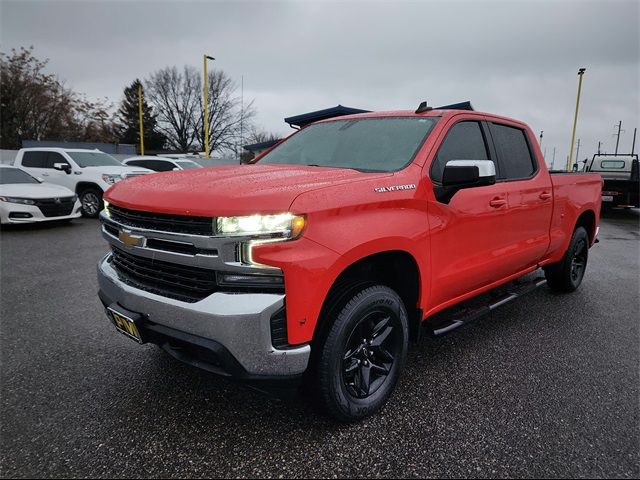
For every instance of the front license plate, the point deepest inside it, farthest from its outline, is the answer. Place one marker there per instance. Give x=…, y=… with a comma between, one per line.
x=124, y=324
x=607, y=198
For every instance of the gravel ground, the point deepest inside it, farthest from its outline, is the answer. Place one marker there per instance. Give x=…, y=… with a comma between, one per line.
x=546, y=386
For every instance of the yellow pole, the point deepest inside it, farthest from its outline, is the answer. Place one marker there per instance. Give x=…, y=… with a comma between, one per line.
x=575, y=120
x=140, y=119
x=205, y=95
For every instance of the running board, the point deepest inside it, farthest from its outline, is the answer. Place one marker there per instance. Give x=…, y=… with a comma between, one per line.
x=467, y=315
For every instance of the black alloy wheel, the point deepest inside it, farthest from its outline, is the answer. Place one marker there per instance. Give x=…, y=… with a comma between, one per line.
x=372, y=348
x=361, y=355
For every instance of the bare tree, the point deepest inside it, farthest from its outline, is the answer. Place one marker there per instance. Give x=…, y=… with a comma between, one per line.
x=35, y=105
x=175, y=96
x=229, y=120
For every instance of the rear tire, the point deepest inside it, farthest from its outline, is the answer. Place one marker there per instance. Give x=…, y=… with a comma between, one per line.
x=361, y=356
x=566, y=275
x=91, y=201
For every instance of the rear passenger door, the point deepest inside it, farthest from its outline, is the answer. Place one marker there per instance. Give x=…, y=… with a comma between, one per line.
x=35, y=162
x=529, y=194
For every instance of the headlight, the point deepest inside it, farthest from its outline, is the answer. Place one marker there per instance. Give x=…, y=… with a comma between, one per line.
x=24, y=201
x=111, y=179
x=285, y=225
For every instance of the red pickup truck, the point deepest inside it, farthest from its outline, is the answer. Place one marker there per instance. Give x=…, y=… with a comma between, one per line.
x=326, y=256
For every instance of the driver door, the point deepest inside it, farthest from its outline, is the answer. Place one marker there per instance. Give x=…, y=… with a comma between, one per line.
x=469, y=235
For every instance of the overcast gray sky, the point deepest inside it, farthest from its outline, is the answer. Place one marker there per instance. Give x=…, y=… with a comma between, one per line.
x=518, y=59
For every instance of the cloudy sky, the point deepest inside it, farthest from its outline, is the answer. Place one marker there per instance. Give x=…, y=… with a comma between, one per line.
x=518, y=59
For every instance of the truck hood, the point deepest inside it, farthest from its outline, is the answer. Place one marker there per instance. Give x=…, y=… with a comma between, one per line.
x=228, y=190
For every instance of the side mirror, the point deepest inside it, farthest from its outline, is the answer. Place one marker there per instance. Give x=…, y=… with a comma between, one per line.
x=63, y=167
x=460, y=174
x=40, y=179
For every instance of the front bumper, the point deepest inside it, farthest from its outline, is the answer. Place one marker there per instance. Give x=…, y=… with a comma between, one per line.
x=234, y=328
x=20, y=213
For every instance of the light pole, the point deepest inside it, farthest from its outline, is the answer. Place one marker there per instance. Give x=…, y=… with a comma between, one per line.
x=575, y=120
x=140, y=119
x=205, y=95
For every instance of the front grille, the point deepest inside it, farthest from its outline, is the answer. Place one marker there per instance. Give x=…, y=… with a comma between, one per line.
x=182, y=282
x=162, y=222
x=52, y=207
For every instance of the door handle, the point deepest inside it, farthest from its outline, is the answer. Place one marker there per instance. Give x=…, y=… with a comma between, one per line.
x=545, y=196
x=498, y=202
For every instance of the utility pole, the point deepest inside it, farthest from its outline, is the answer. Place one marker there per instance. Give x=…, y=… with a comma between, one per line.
x=541, y=132
x=633, y=145
x=577, y=153
x=140, y=119
x=241, y=113
x=554, y=158
x=599, y=147
x=575, y=120
x=617, y=135
x=205, y=95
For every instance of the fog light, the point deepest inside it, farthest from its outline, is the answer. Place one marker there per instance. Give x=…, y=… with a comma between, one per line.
x=240, y=280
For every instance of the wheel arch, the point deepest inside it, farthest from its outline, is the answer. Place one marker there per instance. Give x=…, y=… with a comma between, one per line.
x=396, y=269
x=82, y=186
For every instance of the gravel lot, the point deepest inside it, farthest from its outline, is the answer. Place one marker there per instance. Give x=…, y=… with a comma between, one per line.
x=547, y=386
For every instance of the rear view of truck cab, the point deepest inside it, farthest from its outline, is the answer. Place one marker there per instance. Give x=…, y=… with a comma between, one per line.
x=324, y=258
x=621, y=176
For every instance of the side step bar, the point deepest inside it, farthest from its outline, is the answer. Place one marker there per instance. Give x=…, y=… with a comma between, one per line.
x=467, y=315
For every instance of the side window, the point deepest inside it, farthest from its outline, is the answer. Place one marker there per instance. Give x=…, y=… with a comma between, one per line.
x=515, y=155
x=34, y=159
x=464, y=141
x=162, y=166
x=136, y=163
x=55, y=157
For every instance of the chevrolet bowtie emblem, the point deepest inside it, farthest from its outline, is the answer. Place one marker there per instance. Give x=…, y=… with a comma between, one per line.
x=131, y=240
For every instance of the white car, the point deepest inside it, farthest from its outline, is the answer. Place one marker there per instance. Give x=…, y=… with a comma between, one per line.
x=88, y=173
x=161, y=164
x=25, y=199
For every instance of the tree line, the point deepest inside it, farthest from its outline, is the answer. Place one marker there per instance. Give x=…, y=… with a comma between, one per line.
x=36, y=105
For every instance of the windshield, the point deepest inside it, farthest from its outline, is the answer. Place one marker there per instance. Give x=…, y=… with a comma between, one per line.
x=15, y=175
x=368, y=144
x=187, y=164
x=93, y=159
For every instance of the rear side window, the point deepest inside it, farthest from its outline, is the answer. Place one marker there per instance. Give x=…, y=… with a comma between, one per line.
x=612, y=164
x=464, y=141
x=137, y=163
x=515, y=155
x=162, y=166
x=34, y=159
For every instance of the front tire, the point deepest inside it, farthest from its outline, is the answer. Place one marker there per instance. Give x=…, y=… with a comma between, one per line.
x=363, y=353
x=91, y=201
x=566, y=275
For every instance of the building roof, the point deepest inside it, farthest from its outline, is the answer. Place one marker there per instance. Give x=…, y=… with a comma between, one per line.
x=307, y=118
x=254, y=147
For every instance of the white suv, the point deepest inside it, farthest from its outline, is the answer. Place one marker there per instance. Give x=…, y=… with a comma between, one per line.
x=86, y=172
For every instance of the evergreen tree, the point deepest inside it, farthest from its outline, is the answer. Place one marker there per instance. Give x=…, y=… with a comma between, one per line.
x=128, y=116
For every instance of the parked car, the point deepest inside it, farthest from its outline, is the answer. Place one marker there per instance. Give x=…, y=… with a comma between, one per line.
x=25, y=199
x=161, y=164
x=88, y=173
x=324, y=258
x=621, y=177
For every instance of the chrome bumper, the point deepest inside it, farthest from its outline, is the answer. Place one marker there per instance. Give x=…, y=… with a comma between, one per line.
x=238, y=321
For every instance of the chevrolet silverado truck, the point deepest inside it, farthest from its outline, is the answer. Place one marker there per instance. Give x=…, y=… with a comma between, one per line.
x=323, y=259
